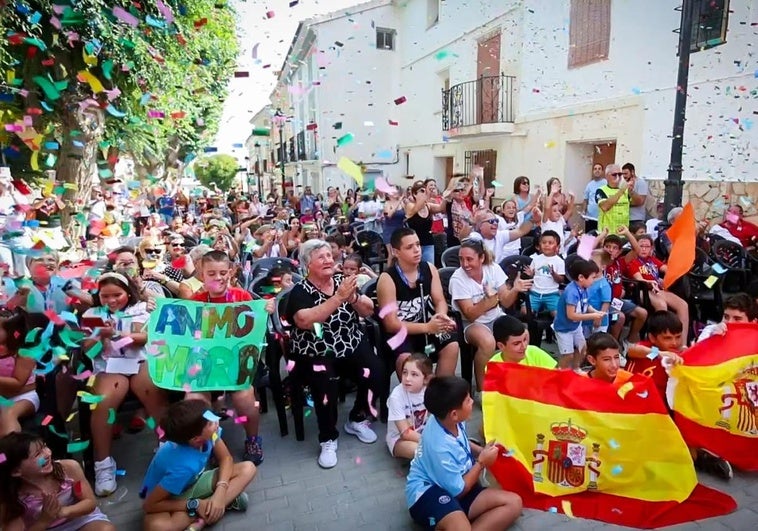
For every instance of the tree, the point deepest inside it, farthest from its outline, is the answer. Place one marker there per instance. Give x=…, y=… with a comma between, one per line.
x=86, y=80
x=217, y=169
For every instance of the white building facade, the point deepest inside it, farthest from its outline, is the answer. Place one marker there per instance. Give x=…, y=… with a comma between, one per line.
x=545, y=91
x=341, y=78
x=524, y=87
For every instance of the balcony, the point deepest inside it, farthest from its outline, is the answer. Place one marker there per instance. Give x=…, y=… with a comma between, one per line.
x=483, y=106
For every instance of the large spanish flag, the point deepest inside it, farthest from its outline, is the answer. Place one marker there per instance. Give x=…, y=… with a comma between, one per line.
x=592, y=449
x=714, y=395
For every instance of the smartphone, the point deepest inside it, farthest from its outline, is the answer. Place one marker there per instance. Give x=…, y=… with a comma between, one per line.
x=92, y=322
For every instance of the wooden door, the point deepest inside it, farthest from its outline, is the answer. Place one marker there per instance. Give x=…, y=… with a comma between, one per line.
x=488, y=79
x=604, y=154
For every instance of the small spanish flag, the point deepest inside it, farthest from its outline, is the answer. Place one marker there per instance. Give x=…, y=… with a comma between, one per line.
x=714, y=395
x=608, y=452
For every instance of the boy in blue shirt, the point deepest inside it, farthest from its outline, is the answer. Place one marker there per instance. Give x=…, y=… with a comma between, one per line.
x=179, y=493
x=443, y=490
x=600, y=295
x=573, y=308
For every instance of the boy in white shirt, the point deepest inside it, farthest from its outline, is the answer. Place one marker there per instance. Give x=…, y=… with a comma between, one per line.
x=555, y=221
x=549, y=271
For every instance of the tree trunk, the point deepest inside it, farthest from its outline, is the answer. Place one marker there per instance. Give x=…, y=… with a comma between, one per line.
x=78, y=165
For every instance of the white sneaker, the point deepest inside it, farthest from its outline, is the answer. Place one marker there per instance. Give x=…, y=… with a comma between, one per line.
x=328, y=456
x=105, y=477
x=361, y=430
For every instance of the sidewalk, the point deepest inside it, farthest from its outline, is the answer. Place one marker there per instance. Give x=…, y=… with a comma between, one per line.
x=364, y=491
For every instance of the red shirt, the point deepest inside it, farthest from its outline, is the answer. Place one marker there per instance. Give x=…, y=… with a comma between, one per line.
x=744, y=231
x=232, y=295
x=614, y=272
x=649, y=268
x=651, y=368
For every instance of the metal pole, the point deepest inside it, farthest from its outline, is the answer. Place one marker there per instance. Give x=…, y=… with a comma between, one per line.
x=284, y=152
x=673, y=196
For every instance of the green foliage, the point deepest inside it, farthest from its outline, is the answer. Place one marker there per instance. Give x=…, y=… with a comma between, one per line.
x=165, y=81
x=218, y=169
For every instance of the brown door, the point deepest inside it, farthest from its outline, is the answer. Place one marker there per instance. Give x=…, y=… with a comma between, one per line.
x=604, y=153
x=487, y=159
x=449, y=168
x=488, y=79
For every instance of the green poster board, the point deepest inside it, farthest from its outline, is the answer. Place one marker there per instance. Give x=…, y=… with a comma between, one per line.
x=195, y=346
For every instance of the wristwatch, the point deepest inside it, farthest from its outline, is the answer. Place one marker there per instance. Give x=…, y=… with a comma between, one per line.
x=192, y=506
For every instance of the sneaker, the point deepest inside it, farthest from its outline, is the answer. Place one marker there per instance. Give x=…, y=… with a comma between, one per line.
x=361, y=430
x=253, y=450
x=105, y=477
x=708, y=462
x=240, y=503
x=328, y=456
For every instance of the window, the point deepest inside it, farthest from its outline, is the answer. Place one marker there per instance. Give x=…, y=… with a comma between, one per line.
x=709, y=23
x=385, y=39
x=589, y=31
x=432, y=12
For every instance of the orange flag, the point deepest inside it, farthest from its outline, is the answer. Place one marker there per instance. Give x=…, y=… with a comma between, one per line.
x=682, y=236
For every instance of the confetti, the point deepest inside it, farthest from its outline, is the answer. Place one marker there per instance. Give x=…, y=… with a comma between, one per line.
x=654, y=353
x=319, y=368
x=395, y=341
x=553, y=510
x=3, y=459
x=290, y=365
x=566, y=506
x=371, y=407
x=357, y=460
x=209, y=415
x=624, y=389
x=160, y=433
x=400, y=100
x=41, y=462
x=614, y=444
x=77, y=446
x=345, y=139
x=616, y=470
x=240, y=420
x=124, y=16
x=47, y=420
x=366, y=372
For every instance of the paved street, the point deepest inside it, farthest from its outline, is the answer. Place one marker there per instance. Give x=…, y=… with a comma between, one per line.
x=364, y=491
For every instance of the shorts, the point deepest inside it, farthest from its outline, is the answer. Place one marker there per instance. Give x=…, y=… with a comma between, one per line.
x=29, y=396
x=568, y=342
x=627, y=307
x=202, y=488
x=588, y=329
x=467, y=324
x=548, y=301
x=418, y=342
x=436, y=503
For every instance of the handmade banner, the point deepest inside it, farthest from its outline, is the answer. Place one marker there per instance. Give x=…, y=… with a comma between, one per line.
x=196, y=346
x=714, y=395
x=593, y=449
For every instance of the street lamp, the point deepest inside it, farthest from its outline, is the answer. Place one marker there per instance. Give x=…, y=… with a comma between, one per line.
x=279, y=120
x=673, y=193
x=259, y=169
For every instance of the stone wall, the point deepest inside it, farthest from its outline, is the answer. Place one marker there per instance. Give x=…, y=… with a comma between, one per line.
x=710, y=198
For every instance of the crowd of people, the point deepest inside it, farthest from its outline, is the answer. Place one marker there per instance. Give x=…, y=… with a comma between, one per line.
x=516, y=260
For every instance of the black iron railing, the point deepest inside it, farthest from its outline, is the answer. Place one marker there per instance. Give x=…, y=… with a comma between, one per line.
x=486, y=100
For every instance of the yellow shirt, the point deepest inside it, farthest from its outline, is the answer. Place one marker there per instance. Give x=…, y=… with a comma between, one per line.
x=533, y=357
x=618, y=215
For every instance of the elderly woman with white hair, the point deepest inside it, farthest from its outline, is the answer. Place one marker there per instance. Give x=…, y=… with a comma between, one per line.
x=328, y=342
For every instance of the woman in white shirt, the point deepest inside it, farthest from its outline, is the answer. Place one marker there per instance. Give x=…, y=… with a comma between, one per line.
x=478, y=289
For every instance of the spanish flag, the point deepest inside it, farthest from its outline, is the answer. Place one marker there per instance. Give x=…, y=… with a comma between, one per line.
x=714, y=395
x=591, y=449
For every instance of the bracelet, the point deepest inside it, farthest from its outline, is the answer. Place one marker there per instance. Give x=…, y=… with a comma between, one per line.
x=224, y=484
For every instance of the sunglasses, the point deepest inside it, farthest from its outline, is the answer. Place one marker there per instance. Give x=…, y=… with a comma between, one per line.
x=617, y=174
x=492, y=221
x=153, y=251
